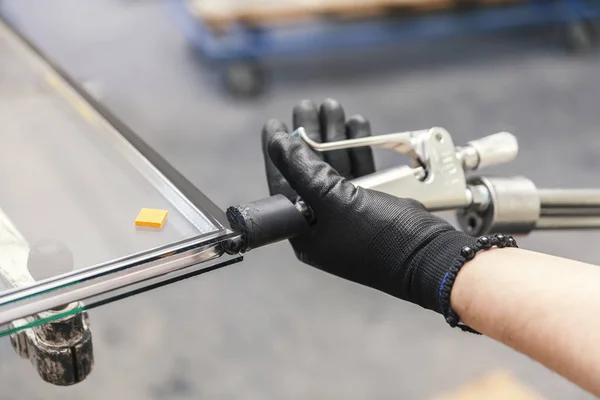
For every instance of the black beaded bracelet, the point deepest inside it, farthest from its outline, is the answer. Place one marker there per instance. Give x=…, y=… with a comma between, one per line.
x=467, y=253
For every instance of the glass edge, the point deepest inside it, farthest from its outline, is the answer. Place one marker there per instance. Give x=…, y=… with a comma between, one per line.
x=210, y=210
x=121, y=264
x=189, y=272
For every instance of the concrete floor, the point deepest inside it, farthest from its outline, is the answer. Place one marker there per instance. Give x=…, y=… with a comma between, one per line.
x=271, y=328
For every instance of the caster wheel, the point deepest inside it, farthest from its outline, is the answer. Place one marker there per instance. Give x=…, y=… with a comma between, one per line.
x=579, y=37
x=244, y=79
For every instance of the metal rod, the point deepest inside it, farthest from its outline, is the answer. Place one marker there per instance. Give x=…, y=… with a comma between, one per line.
x=390, y=140
x=548, y=223
x=569, y=198
x=570, y=212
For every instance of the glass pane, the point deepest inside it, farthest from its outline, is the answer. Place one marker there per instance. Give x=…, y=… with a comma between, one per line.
x=72, y=186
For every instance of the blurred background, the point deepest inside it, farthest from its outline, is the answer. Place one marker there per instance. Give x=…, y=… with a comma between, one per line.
x=198, y=79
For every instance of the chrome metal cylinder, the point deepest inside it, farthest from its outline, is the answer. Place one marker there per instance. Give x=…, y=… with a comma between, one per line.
x=509, y=205
x=515, y=206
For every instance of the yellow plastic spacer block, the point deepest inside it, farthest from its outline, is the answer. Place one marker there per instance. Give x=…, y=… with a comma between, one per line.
x=151, y=217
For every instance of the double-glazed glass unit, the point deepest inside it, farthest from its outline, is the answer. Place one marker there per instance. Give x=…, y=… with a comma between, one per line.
x=72, y=181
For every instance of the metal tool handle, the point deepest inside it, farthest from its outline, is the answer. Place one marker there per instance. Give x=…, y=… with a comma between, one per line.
x=277, y=218
x=495, y=149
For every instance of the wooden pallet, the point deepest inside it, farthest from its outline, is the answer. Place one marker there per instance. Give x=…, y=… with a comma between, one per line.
x=221, y=14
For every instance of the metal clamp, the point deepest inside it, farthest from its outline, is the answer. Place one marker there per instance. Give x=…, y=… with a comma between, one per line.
x=60, y=350
x=437, y=179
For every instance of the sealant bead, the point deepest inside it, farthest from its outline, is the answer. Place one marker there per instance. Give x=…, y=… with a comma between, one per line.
x=485, y=242
x=501, y=240
x=467, y=252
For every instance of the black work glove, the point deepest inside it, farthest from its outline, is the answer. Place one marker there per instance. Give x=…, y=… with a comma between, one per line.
x=368, y=237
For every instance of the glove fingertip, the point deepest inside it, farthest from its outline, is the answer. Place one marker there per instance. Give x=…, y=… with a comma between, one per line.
x=359, y=122
x=277, y=143
x=273, y=126
x=305, y=106
x=293, y=158
x=330, y=104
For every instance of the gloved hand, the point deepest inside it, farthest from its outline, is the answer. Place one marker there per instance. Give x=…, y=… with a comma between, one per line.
x=368, y=237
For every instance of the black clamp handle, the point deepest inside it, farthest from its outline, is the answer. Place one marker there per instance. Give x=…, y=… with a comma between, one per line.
x=267, y=221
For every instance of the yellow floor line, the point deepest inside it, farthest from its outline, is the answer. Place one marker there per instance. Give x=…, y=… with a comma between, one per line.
x=496, y=385
x=79, y=105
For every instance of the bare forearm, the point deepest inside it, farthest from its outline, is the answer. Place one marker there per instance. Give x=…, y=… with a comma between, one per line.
x=543, y=306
